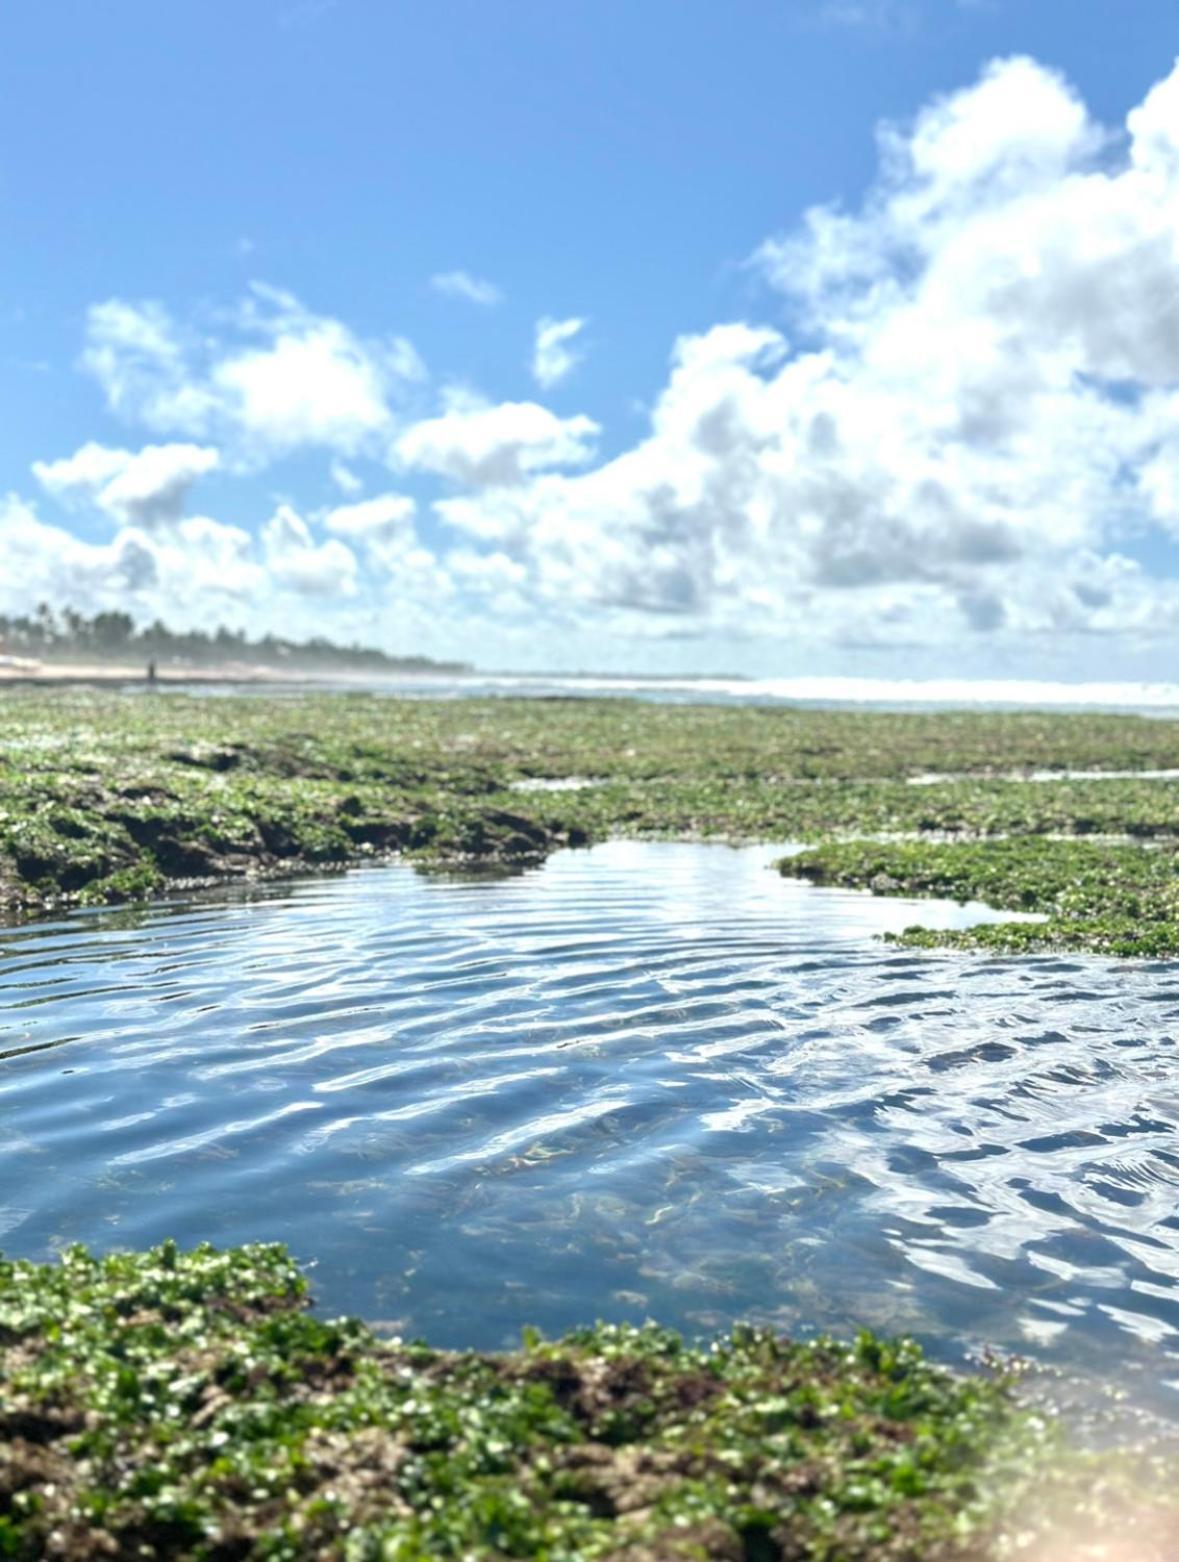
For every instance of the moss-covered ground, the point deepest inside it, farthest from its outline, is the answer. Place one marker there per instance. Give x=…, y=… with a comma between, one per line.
x=107, y=796
x=1104, y=897
x=176, y=1404
x=172, y=1404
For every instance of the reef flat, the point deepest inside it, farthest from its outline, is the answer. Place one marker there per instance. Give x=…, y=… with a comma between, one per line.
x=108, y=797
x=171, y=1404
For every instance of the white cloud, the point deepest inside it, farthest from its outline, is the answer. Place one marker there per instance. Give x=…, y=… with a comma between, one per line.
x=983, y=415
x=46, y=563
x=148, y=488
x=296, y=561
x=199, y=564
x=345, y=478
x=1154, y=132
x=959, y=430
x=1019, y=126
x=496, y=445
x=873, y=14
x=552, y=357
x=136, y=353
x=400, y=574
x=310, y=387
x=203, y=572
x=208, y=558
x=461, y=284
x=373, y=519
x=299, y=379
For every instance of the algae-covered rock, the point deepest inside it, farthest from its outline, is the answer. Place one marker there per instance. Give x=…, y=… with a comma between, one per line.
x=106, y=798
x=169, y=1404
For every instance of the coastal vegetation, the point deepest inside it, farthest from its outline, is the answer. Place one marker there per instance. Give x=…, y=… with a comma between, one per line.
x=107, y=797
x=115, y=637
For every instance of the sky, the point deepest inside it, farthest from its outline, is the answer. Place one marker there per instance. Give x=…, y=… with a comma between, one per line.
x=777, y=337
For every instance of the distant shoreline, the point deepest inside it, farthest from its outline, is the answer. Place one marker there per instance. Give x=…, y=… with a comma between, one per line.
x=107, y=673
x=1158, y=700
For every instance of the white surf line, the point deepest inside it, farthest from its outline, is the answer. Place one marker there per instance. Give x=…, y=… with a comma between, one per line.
x=945, y=777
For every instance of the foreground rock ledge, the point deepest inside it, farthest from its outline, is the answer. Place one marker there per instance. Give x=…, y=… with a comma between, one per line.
x=171, y=1404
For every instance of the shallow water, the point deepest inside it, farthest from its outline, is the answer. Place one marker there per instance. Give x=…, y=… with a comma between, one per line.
x=893, y=694
x=645, y=1079
x=1045, y=777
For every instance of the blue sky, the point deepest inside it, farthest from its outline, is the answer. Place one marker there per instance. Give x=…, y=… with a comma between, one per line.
x=263, y=265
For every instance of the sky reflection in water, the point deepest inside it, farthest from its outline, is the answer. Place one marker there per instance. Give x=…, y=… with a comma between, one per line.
x=646, y=1079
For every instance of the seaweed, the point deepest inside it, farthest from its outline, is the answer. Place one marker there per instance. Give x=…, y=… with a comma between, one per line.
x=186, y=1404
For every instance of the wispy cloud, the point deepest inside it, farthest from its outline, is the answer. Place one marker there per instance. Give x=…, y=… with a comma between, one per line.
x=345, y=478
x=887, y=15
x=869, y=15
x=461, y=284
x=552, y=357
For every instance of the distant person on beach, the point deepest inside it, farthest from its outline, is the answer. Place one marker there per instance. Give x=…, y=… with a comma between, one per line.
x=151, y=672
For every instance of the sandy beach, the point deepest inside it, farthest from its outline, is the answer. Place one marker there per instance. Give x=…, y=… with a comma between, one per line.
x=15, y=670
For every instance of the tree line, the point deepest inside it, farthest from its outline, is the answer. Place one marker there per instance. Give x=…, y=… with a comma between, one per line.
x=113, y=636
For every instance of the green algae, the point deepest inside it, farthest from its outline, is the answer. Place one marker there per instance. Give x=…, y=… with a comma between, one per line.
x=107, y=797
x=1107, y=898
x=173, y=1404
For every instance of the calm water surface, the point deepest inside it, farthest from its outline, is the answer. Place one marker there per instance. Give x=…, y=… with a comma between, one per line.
x=645, y=1079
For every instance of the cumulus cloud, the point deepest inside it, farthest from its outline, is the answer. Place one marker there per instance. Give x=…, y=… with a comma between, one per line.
x=552, y=356
x=287, y=579
x=373, y=519
x=401, y=575
x=146, y=488
x=295, y=560
x=206, y=558
x=461, y=284
x=197, y=562
x=495, y=446
x=959, y=429
x=138, y=356
x=979, y=418
x=40, y=562
x=289, y=378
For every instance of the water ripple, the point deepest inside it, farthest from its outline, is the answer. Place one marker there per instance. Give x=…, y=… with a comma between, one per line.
x=643, y=1079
